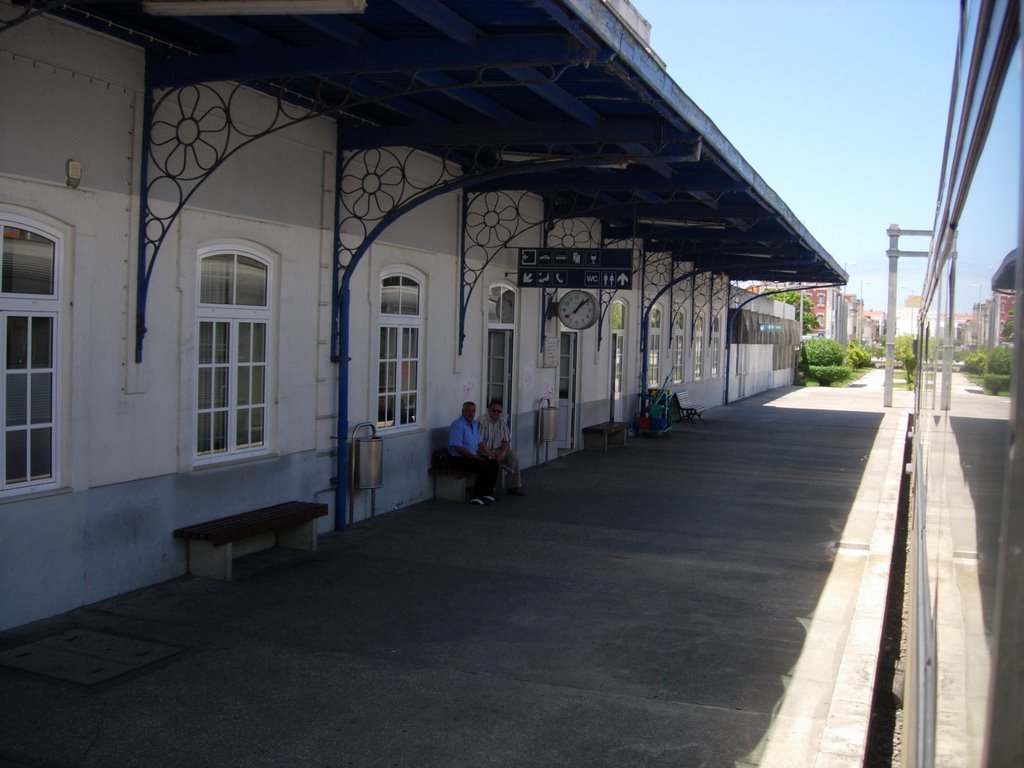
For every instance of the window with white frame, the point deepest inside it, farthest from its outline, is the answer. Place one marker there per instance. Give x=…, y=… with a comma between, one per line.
x=232, y=353
x=501, y=318
x=698, y=347
x=654, y=348
x=29, y=311
x=398, y=353
x=678, y=347
x=716, y=345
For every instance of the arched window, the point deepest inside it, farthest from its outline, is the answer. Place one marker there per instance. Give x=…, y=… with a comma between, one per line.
x=501, y=319
x=30, y=255
x=654, y=348
x=716, y=344
x=698, y=347
x=398, y=354
x=233, y=353
x=678, y=347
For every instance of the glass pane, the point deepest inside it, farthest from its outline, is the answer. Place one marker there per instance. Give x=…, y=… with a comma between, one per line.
x=41, y=458
x=257, y=392
x=220, y=347
x=409, y=409
x=42, y=386
x=215, y=279
x=390, y=296
x=243, y=386
x=220, y=431
x=387, y=377
x=256, y=419
x=220, y=387
x=492, y=305
x=388, y=343
x=507, y=307
x=16, y=399
x=204, y=394
x=409, y=373
x=385, y=411
x=205, y=343
x=618, y=316
x=28, y=261
x=203, y=433
x=259, y=342
x=251, y=283
x=17, y=342
x=244, y=342
x=410, y=343
x=16, y=459
x=42, y=342
x=410, y=297
x=242, y=428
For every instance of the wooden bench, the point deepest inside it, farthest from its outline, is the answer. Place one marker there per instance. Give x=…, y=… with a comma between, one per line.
x=212, y=546
x=600, y=436
x=450, y=483
x=688, y=409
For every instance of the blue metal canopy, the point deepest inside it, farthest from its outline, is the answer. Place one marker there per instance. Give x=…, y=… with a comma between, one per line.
x=558, y=97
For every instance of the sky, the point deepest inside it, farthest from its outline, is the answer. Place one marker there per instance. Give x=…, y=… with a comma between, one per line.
x=841, y=107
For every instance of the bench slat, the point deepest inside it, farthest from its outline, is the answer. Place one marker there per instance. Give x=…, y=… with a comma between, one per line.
x=246, y=524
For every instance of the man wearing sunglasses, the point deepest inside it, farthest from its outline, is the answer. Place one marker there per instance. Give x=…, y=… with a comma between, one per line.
x=494, y=434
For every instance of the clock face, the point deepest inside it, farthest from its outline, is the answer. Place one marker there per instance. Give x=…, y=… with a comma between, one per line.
x=577, y=309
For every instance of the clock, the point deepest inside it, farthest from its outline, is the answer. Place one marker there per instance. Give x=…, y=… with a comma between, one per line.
x=577, y=310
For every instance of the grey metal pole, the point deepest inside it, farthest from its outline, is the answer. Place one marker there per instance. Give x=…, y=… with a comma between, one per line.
x=890, y=317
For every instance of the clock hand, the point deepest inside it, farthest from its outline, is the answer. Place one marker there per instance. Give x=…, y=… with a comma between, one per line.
x=579, y=306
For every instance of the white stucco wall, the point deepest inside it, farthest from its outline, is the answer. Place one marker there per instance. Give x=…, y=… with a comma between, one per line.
x=126, y=475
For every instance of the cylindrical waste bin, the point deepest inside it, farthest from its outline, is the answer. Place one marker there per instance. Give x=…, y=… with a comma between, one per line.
x=547, y=423
x=369, y=457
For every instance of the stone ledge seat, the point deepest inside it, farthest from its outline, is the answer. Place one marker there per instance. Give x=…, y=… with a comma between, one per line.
x=213, y=545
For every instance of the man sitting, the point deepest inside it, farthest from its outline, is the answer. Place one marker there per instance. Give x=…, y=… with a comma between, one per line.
x=469, y=454
x=495, y=435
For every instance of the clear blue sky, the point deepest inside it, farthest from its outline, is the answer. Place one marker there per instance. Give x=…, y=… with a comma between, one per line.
x=841, y=107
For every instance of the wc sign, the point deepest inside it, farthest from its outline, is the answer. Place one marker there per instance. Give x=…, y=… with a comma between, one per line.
x=596, y=268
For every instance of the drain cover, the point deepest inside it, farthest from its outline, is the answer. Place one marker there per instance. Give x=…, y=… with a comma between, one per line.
x=85, y=657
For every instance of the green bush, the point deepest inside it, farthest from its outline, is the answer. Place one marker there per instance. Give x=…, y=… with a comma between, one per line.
x=995, y=383
x=857, y=356
x=822, y=352
x=1000, y=361
x=975, y=362
x=827, y=375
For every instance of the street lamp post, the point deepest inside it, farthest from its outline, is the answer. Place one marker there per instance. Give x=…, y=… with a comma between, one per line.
x=894, y=254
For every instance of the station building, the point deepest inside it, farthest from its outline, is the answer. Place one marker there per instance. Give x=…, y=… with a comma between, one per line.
x=239, y=235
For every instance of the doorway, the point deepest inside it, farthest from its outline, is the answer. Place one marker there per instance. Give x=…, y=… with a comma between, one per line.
x=567, y=365
x=617, y=410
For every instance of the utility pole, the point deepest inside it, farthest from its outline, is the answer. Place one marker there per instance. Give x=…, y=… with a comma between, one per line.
x=894, y=254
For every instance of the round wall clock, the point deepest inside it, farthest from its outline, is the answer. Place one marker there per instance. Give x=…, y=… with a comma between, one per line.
x=577, y=310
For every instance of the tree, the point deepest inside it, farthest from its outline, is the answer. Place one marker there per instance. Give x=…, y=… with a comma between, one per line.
x=793, y=299
x=1008, y=327
x=822, y=361
x=906, y=355
x=857, y=355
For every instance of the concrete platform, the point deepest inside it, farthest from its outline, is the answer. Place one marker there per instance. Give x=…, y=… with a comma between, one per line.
x=712, y=597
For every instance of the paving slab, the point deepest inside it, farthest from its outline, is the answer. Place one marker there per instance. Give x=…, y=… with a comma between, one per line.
x=682, y=601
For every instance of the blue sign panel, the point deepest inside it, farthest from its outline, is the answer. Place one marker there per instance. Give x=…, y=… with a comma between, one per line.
x=605, y=268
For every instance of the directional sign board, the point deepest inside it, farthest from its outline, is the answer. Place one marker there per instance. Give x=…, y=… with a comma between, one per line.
x=607, y=268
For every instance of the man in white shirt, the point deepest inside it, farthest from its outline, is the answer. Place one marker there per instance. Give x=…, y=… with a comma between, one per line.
x=495, y=436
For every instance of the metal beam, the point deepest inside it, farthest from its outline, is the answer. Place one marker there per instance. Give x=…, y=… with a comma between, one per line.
x=518, y=52
x=522, y=133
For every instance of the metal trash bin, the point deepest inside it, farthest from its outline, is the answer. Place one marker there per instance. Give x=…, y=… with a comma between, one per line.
x=547, y=423
x=369, y=460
